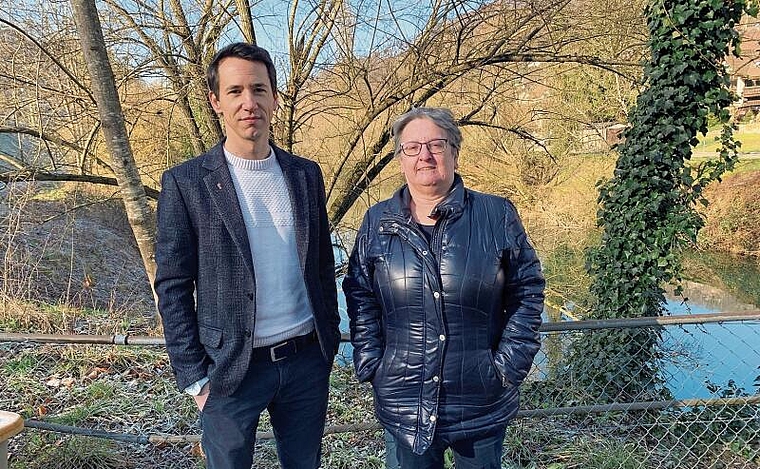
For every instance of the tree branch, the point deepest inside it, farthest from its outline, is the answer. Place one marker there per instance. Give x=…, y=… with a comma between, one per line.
x=54, y=138
x=55, y=61
x=36, y=175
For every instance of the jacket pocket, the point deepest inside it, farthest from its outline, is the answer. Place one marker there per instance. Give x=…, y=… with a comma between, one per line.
x=210, y=336
x=379, y=371
x=500, y=374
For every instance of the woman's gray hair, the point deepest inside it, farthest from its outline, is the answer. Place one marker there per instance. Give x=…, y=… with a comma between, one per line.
x=440, y=116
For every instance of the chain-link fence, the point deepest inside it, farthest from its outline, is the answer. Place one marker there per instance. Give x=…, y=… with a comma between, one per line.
x=668, y=392
x=675, y=392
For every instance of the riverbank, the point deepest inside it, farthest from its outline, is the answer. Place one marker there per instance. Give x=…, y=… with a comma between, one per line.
x=70, y=284
x=732, y=218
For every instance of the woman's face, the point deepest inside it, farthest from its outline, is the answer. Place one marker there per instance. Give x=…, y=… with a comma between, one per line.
x=427, y=172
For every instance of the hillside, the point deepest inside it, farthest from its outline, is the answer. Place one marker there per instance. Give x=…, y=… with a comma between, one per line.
x=68, y=247
x=733, y=215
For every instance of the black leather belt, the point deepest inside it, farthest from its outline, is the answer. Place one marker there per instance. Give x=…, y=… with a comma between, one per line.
x=284, y=349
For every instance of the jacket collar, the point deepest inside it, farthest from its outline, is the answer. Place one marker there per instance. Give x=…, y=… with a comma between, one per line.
x=452, y=205
x=222, y=192
x=214, y=158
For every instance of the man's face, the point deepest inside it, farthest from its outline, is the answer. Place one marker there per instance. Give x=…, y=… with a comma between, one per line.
x=246, y=101
x=428, y=172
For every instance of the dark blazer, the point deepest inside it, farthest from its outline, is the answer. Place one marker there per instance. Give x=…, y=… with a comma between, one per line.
x=206, y=280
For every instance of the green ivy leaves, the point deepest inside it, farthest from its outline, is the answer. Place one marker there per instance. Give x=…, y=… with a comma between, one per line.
x=648, y=209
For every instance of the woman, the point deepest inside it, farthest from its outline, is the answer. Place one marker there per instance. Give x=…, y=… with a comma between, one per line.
x=444, y=295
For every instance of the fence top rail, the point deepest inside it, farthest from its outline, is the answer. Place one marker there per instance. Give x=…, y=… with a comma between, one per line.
x=624, y=323
x=552, y=327
x=80, y=339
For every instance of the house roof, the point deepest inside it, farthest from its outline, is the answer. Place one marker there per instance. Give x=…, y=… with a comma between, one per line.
x=748, y=64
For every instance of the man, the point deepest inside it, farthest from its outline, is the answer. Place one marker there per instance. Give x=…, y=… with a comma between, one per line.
x=245, y=278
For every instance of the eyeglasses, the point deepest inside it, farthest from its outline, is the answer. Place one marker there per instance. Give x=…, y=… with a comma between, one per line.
x=435, y=147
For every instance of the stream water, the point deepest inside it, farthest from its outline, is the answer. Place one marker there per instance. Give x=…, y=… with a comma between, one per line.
x=721, y=359
x=701, y=361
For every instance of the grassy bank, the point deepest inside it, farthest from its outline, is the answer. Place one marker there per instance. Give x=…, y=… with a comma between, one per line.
x=131, y=390
x=748, y=133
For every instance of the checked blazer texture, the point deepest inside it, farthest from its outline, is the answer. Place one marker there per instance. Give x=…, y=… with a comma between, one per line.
x=206, y=279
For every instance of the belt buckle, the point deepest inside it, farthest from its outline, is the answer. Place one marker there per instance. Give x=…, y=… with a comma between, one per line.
x=273, y=353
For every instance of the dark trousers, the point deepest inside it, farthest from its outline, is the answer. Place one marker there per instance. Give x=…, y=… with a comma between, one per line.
x=293, y=390
x=474, y=453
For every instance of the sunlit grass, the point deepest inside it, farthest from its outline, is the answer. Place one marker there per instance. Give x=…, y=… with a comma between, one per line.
x=747, y=165
x=38, y=317
x=748, y=134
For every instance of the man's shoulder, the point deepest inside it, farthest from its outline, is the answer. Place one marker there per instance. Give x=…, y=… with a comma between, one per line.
x=295, y=160
x=192, y=167
x=187, y=166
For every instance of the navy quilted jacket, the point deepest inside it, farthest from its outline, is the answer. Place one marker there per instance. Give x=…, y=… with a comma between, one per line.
x=445, y=330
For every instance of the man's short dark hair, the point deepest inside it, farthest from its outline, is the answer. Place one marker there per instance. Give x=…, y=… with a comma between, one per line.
x=241, y=50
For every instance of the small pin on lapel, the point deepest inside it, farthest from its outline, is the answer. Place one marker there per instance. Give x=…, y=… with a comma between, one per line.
x=219, y=185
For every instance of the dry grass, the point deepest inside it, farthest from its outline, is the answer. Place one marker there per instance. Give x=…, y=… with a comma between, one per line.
x=748, y=134
x=69, y=245
x=131, y=390
x=733, y=215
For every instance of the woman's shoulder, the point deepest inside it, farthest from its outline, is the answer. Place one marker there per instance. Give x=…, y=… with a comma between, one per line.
x=384, y=207
x=492, y=201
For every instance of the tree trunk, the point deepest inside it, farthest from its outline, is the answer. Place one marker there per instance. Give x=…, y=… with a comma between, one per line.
x=197, y=91
x=115, y=132
x=246, y=21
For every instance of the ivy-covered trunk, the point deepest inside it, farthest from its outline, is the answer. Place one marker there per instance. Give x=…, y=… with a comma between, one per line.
x=648, y=209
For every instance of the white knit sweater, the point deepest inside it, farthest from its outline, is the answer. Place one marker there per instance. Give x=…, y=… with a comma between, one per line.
x=282, y=304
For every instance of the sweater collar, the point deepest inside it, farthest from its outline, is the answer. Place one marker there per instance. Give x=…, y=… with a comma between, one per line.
x=251, y=165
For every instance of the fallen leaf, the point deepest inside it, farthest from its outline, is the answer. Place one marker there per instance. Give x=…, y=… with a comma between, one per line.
x=95, y=372
x=196, y=450
x=53, y=382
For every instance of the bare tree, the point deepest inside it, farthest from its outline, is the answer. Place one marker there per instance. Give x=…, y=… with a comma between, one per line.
x=435, y=54
x=404, y=56
x=246, y=21
x=307, y=38
x=165, y=38
x=349, y=69
x=112, y=120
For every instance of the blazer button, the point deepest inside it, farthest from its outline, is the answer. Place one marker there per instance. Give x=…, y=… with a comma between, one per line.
x=248, y=333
